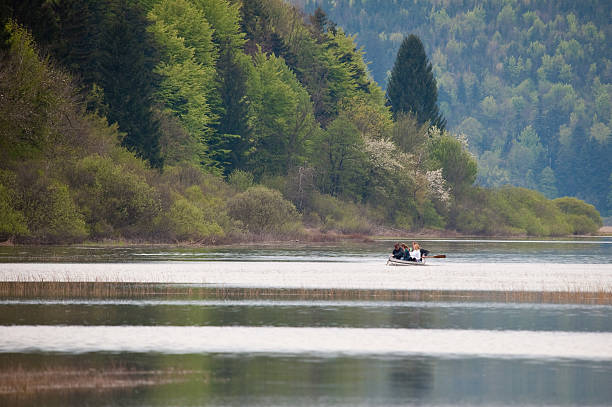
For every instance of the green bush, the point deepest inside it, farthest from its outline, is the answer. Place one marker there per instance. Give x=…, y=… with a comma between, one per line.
x=431, y=217
x=52, y=214
x=510, y=211
x=525, y=210
x=193, y=205
x=263, y=210
x=181, y=177
x=12, y=222
x=113, y=195
x=582, y=217
x=187, y=221
x=334, y=214
x=475, y=215
x=468, y=222
x=581, y=225
x=241, y=180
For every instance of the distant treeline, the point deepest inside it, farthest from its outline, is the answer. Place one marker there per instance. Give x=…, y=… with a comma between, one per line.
x=528, y=82
x=218, y=120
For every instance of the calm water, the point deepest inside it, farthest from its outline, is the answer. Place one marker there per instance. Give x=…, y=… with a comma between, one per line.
x=330, y=353
x=276, y=380
x=587, y=250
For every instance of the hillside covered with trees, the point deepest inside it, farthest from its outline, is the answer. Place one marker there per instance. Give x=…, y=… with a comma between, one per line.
x=528, y=82
x=219, y=120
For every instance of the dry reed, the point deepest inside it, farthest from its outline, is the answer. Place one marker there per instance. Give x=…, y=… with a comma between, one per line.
x=118, y=290
x=20, y=380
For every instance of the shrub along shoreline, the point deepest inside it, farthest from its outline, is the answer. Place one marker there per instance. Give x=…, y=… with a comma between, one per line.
x=306, y=237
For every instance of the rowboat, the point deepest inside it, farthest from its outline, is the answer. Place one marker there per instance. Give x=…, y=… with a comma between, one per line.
x=397, y=262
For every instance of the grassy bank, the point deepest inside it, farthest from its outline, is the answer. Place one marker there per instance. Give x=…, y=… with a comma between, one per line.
x=111, y=290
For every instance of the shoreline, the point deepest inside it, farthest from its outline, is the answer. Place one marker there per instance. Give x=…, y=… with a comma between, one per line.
x=309, y=238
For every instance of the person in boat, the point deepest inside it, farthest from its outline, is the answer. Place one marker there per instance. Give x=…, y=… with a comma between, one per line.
x=406, y=252
x=415, y=253
x=424, y=252
x=398, y=251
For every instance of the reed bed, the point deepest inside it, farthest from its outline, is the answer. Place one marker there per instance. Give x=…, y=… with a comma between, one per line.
x=121, y=290
x=89, y=289
x=22, y=381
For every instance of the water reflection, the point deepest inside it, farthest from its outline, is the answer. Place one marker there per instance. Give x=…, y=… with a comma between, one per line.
x=576, y=318
x=295, y=381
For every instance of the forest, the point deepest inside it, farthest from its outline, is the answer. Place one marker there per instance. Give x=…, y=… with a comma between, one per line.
x=528, y=82
x=216, y=121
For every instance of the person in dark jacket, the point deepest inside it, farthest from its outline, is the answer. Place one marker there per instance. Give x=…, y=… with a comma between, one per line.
x=398, y=252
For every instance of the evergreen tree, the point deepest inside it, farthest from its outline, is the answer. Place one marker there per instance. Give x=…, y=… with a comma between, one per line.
x=319, y=21
x=548, y=183
x=38, y=16
x=126, y=63
x=412, y=86
x=254, y=21
x=78, y=37
x=233, y=127
x=461, y=92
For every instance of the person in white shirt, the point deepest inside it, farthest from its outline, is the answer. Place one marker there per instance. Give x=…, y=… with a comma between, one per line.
x=415, y=253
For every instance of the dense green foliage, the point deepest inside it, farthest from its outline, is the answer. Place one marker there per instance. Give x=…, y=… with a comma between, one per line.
x=512, y=210
x=528, y=82
x=264, y=210
x=217, y=120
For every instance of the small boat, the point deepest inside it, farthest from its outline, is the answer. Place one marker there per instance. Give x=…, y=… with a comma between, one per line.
x=397, y=262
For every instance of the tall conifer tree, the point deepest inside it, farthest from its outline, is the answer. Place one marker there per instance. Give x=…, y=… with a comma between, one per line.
x=125, y=68
x=233, y=130
x=412, y=86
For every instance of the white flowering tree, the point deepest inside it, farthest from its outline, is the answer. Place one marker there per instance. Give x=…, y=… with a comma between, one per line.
x=437, y=188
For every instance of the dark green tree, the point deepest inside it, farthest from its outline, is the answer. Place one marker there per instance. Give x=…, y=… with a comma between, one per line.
x=233, y=127
x=39, y=16
x=125, y=68
x=412, y=86
x=319, y=21
x=254, y=22
x=79, y=35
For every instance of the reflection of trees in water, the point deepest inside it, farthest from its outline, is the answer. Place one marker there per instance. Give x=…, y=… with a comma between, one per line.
x=92, y=379
x=411, y=378
x=241, y=379
x=412, y=317
x=315, y=378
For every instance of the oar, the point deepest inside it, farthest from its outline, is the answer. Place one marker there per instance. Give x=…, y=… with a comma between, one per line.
x=437, y=256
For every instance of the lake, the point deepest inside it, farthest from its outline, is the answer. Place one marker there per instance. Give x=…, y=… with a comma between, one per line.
x=190, y=350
